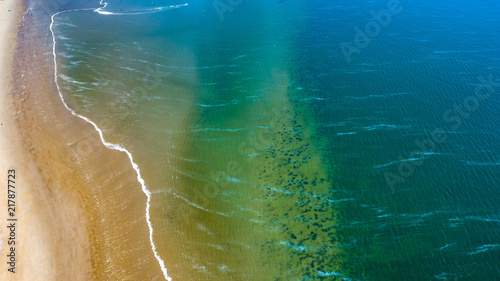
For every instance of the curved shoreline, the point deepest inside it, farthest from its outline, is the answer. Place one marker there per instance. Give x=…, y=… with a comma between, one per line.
x=110, y=146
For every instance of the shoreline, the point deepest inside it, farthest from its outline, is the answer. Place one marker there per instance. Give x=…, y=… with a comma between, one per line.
x=111, y=146
x=82, y=200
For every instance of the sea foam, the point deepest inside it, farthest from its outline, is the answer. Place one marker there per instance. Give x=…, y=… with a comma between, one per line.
x=101, y=11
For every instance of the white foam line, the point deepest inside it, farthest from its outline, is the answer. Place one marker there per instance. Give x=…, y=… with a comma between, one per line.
x=396, y=162
x=150, y=11
x=110, y=146
x=153, y=10
x=105, y=4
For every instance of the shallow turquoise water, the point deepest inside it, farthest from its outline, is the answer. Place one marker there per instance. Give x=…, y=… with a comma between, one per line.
x=271, y=155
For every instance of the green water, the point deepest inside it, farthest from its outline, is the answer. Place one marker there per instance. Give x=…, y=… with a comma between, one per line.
x=266, y=151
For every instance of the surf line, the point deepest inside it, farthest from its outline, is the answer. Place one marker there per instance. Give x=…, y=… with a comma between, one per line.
x=101, y=11
x=110, y=146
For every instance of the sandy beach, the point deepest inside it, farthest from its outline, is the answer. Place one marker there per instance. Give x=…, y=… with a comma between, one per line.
x=80, y=212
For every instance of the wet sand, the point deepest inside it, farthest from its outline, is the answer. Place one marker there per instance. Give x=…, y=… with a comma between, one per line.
x=79, y=207
x=34, y=233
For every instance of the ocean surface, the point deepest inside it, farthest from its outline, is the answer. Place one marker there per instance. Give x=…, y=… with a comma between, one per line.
x=300, y=140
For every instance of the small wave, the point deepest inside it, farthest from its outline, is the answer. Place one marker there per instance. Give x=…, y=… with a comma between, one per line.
x=429, y=153
x=201, y=268
x=384, y=216
x=278, y=190
x=311, y=98
x=216, y=246
x=249, y=210
x=333, y=273
x=381, y=126
x=76, y=63
x=196, y=205
x=375, y=96
x=132, y=69
x=299, y=248
x=443, y=276
x=189, y=202
x=233, y=179
x=138, y=12
x=189, y=159
x=337, y=124
x=475, y=218
x=446, y=246
x=326, y=274
x=484, y=248
x=214, y=105
x=339, y=200
x=238, y=57
x=70, y=80
x=365, y=97
x=348, y=133
x=223, y=268
x=455, y=222
x=203, y=228
x=62, y=38
x=218, y=130
x=396, y=162
x=66, y=24
x=192, y=175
